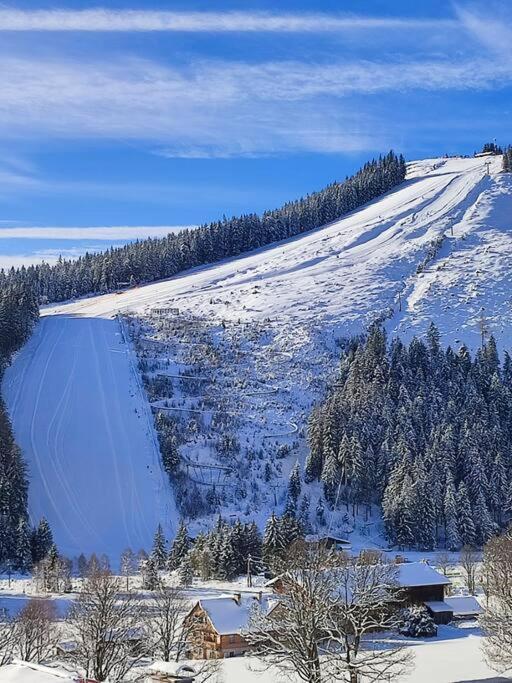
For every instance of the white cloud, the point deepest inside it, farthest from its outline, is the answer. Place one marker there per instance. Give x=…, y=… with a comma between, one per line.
x=219, y=108
x=108, y=233
x=136, y=20
x=491, y=28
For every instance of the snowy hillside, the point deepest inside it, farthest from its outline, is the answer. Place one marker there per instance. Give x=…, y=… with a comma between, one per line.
x=259, y=335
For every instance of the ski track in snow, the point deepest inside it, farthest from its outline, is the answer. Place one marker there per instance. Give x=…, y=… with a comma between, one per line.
x=72, y=395
x=72, y=398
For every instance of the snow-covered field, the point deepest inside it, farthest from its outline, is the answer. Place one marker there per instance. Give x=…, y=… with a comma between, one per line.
x=437, y=248
x=454, y=656
x=81, y=420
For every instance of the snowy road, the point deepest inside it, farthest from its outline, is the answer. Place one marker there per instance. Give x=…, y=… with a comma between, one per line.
x=79, y=418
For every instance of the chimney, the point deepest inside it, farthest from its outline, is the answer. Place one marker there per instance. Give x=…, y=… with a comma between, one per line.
x=237, y=597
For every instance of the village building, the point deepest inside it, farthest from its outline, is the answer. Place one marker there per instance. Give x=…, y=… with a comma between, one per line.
x=329, y=542
x=464, y=606
x=424, y=585
x=214, y=626
x=420, y=584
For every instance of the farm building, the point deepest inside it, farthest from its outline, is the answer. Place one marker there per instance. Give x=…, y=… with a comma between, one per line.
x=464, y=606
x=214, y=626
x=329, y=542
x=421, y=584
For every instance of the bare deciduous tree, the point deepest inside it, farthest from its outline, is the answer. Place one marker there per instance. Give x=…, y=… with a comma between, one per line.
x=443, y=561
x=128, y=565
x=497, y=619
x=106, y=627
x=165, y=613
x=366, y=604
x=325, y=625
x=7, y=639
x=35, y=630
x=469, y=563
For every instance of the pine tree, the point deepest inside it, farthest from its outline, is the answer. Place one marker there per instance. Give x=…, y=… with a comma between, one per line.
x=303, y=517
x=294, y=484
x=23, y=560
x=227, y=560
x=465, y=524
x=150, y=579
x=320, y=512
x=42, y=541
x=185, y=572
x=452, y=539
x=484, y=526
x=331, y=478
x=290, y=531
x=180, y=547
x=272, y=545
x=159, y=551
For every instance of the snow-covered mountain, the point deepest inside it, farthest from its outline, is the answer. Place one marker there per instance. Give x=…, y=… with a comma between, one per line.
x=439, y=248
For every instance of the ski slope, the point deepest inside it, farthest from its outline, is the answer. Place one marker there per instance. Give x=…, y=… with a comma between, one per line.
x=347, y=273
x=80, y=419
x=439, y=247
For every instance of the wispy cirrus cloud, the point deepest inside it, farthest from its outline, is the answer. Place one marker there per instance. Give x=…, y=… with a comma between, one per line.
x=491, y=26
x=102, y=19
x=107, y=233
x=220, y=108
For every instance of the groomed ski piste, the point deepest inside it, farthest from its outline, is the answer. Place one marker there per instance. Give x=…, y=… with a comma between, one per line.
x=439, y=247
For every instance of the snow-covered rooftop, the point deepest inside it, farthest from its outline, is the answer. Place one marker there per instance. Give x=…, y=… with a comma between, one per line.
x=27, y=672
x=464, y=605
x=438, y=606
x=412, y=574
x=228, y=614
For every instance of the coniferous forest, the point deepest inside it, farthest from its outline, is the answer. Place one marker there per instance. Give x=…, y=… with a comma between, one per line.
x=507, y=160
x=154, y=259
x=423, y=432
x=18, y=314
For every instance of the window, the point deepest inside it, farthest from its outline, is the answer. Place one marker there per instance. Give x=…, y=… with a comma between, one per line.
x=232, y=639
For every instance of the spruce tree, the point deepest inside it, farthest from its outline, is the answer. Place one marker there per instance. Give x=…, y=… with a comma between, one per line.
x=465, y=524
x=180, y=547
x=23, y=546
x=150, y=579
x=452, y=539
x=320, y=512
x=42, y=541
x=185, y=572
x=273, y=544
x=294, y=484
x=159, y=551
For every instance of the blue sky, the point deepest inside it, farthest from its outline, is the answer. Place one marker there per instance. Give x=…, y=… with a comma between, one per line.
x=152, y=114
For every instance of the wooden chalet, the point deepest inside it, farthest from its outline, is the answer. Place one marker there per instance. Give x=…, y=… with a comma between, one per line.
x=420, y=584
x=329, y=542
x=423, y=585
x=214, y=626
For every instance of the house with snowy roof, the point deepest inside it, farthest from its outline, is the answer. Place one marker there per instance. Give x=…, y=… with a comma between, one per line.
x=214, y=626
x=424, y=585
x=419, y=584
